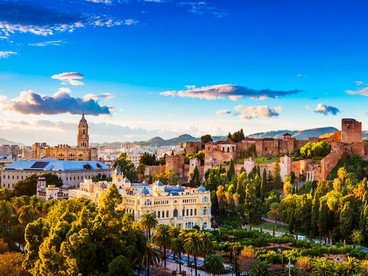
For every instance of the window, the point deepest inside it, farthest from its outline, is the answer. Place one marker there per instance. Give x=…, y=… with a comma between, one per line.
x=195, y=212
x=167, y=214
x=175, y=213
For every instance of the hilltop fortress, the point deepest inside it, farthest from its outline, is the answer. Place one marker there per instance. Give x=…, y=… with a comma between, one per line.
x=345, y=142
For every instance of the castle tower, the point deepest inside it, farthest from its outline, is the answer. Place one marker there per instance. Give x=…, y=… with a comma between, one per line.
x=351, y=131
x=83, y=137
x=285, y=166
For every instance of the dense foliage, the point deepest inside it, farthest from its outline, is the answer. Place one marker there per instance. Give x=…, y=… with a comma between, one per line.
x=77, y=238
x=126, y=166
x=28, y=186
x=237, y=136
x=311, y=150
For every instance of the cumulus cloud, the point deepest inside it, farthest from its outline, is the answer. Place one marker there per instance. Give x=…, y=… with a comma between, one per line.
x=222, y=112
x=6, y=54
x=30, y=102
x=326, y=109
x=71, y=78
x=46, y=43
x=230, y=91
x=261, y=111
x=96, y=97
x=17, y=17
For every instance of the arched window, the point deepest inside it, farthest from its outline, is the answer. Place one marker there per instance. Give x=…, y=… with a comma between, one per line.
x=175, y=213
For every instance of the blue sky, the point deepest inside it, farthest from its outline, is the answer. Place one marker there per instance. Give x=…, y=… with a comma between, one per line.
x=141, y=68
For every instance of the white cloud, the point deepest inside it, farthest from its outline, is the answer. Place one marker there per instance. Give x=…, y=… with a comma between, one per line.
x=226, y=91
x=30, y=102
x=223, y=112
x=8, y=29
x=46, y=43
x=71, y=78
x=262, y=111
x=96, y=97
x=361, y=92
x=130, y=21
x=359, y=83
x=6, y=54
x=326, y=109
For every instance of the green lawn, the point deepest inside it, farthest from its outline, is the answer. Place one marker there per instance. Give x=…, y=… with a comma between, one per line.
x=263, y=160
x=269, y=226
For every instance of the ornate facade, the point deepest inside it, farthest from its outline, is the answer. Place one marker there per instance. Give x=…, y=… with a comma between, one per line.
x=82, y=152
x=173, y=205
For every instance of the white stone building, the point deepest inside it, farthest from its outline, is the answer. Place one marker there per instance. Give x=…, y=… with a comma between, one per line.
x=70, y=172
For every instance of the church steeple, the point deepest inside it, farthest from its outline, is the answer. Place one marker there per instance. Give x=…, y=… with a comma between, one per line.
x=83, y=137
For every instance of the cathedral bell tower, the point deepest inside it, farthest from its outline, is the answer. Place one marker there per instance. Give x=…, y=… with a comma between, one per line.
x=83, y=137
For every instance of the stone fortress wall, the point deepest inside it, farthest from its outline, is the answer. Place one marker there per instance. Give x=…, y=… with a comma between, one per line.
x=347, y=141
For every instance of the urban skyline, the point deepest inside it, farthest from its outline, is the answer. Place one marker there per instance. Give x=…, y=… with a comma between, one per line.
x=148, y=68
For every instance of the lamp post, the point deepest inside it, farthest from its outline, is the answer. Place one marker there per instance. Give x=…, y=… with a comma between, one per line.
x=289, y=266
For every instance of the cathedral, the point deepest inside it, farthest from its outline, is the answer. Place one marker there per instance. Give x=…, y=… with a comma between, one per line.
x=82, y=152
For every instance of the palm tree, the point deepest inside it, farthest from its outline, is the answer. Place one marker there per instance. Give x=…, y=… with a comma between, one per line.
x=161, y=237
x=174, y=232
x=207, y=241
x=177, y=245
x=182, y=237
x=26, y=214
x=274, y=213
x=214, y=264
x=6, y=213
x=193, y=245
x=150, y=256
x=148, y=221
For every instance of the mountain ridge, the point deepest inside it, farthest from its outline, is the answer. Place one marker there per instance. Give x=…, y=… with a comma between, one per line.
x=276, y=134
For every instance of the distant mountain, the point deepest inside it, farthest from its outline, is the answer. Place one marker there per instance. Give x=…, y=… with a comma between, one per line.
x=277, y=134
x=159, y=142
x=297, y=134
x=365, y=134
x=7, y=142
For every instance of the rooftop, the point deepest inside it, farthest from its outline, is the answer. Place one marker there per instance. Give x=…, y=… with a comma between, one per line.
x=56, y=165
